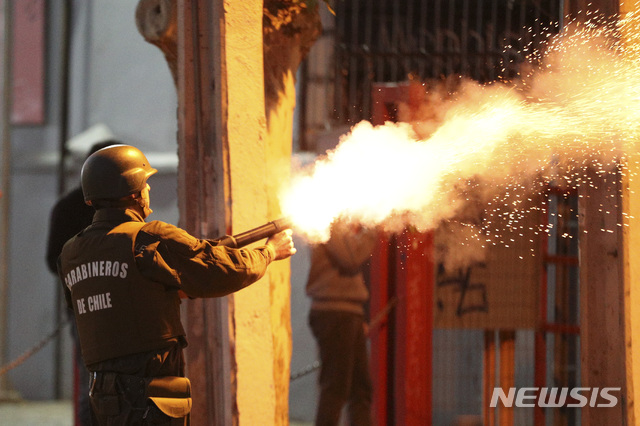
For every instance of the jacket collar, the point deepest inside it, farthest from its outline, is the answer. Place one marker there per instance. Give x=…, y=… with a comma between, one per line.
x=115, y=215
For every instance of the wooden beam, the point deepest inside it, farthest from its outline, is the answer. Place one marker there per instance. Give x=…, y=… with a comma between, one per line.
x=602, y=333
x=203, y=198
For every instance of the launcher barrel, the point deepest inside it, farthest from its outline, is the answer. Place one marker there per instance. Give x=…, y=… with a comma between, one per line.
x=255, y=234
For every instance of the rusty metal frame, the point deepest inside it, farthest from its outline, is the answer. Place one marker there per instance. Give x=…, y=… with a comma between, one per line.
x=544, y=325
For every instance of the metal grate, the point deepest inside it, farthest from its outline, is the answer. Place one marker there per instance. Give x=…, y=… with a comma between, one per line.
x=392, y=41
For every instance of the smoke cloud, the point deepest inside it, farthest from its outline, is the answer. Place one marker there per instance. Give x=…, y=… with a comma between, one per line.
x=484, y=150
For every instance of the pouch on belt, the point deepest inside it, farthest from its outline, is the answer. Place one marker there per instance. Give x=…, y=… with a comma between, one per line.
x=171, y=394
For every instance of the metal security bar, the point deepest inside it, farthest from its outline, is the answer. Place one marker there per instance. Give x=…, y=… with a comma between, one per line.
x=393, y=41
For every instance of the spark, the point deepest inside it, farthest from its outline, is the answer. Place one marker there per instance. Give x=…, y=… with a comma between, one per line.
x=483, y=151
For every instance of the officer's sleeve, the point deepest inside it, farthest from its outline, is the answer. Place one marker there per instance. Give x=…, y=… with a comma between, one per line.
x=199, y=267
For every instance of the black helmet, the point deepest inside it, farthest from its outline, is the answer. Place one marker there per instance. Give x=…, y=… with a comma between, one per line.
x=115, y=172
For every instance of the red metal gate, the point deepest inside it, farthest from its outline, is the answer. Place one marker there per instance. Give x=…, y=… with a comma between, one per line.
x=402, y=277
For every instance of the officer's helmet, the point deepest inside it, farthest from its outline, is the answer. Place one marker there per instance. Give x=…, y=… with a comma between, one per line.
x=114, y=172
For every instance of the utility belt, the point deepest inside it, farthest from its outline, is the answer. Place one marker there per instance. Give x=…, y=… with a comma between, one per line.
x=114, y=394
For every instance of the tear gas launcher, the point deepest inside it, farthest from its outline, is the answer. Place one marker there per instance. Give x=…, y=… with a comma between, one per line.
x=255, y=234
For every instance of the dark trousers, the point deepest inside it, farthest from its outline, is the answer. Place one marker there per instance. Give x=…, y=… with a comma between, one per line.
x=120, y=400
x=344, y=372
x=82, y=406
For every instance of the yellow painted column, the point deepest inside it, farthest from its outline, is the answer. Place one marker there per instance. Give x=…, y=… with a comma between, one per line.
x=230, y=173
x=248, y=153
x=631, y=248
x=278, y=138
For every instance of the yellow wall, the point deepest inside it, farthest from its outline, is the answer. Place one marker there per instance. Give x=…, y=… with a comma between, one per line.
x=248, y=151
x=279, y=137
x=631, y=208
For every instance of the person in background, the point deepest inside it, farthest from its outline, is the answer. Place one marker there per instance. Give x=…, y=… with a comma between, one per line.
x=69, y=216
x=338, y=295
x=123, y=276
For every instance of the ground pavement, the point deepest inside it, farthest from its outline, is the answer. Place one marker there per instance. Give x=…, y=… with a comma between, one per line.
x=46, y=413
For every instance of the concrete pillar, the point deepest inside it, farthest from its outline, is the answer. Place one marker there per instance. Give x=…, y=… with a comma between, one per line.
x=222, y=131
x=248, y=161
x=227, y=185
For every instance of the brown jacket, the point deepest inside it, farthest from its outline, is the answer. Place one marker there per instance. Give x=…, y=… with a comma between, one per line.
x=121, y=277
x=335, y=279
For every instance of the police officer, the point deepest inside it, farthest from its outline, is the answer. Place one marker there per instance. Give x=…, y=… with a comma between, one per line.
x=122, y=278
